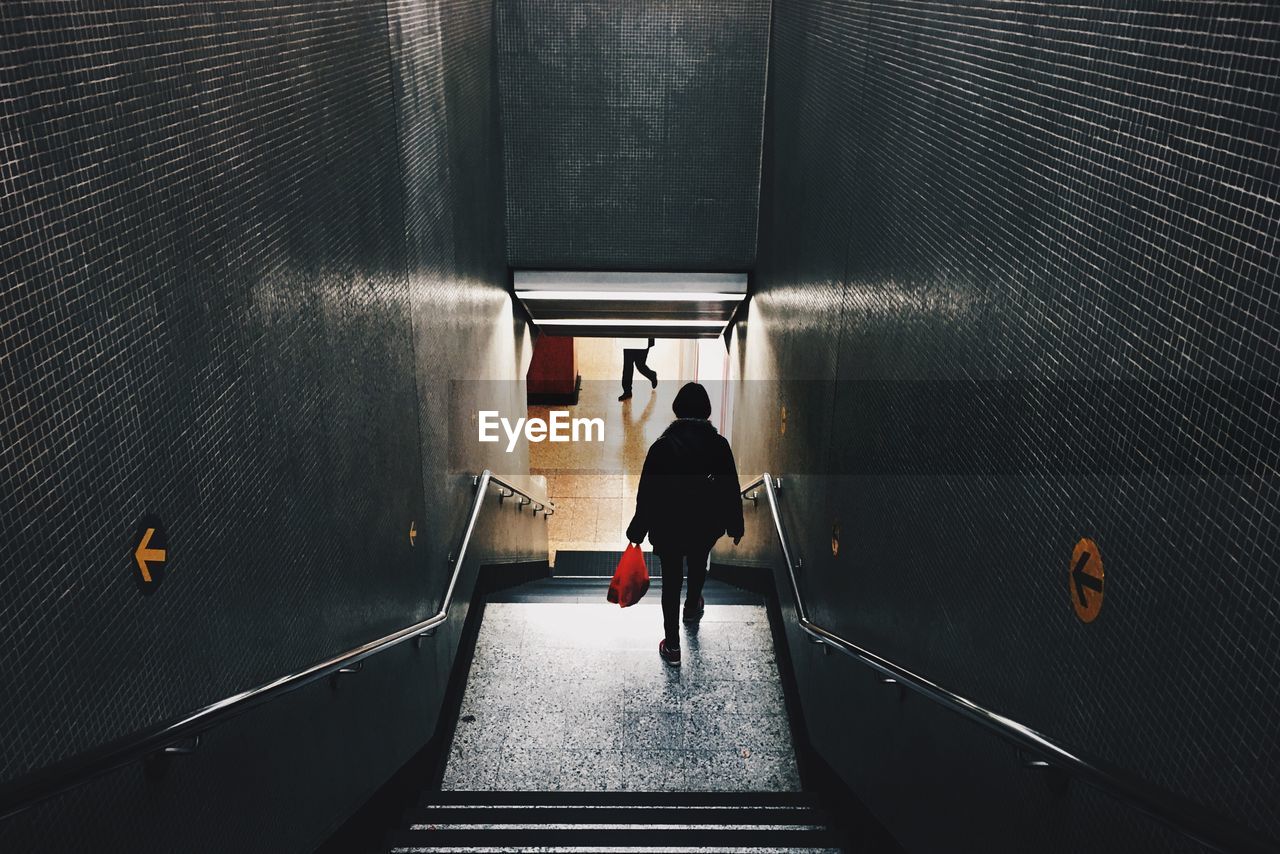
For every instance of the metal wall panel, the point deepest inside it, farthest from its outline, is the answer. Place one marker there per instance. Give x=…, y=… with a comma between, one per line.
x=1044, y=239
x=631, y=132
x=245, y=249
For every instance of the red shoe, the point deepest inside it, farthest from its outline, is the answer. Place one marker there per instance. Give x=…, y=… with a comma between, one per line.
x=670, y=656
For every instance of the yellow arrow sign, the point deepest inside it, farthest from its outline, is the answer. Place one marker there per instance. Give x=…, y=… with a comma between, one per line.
x=413, y=533
x=144, y=554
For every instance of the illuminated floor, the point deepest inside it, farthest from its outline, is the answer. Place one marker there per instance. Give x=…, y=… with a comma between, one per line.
x=593, y=484
x=574, y=697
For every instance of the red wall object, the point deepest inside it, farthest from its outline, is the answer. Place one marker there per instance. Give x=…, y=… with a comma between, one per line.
x=554, y=367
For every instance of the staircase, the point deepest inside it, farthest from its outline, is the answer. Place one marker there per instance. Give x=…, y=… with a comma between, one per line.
x=622, y=822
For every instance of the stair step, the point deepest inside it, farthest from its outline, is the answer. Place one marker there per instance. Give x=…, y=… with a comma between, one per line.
x=612, y=849
x=592, y=588
x=631, y=815
x=611, y=826
x=682, y=800
x=718, y=839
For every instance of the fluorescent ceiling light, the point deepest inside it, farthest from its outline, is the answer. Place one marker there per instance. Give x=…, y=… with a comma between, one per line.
x=605, y=321
x=565, y=280
x=632, y=296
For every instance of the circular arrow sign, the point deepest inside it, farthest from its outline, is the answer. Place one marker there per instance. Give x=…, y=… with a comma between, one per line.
x=1086, y=580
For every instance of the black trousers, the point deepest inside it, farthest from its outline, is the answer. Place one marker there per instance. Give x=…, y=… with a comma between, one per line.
x=636, y=360
x=672, y=578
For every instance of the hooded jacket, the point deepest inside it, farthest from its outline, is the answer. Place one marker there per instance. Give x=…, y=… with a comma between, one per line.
x=688, y=496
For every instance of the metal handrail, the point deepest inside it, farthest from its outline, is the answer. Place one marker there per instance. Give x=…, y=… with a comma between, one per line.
x=17, y=795
x=1177, y=812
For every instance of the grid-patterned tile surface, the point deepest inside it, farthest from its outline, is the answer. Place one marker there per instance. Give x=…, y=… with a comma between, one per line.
x=243, y=249
x=574, y=697
x=631, y=132
x=1045, y=240
x=201, y=317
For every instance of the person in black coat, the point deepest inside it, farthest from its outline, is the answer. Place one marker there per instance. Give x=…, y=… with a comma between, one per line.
x=688, y=498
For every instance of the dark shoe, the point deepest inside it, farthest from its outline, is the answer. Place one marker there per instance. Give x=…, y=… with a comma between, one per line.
x=670, y=656
x=692, y=613
x=654, y=380
x=626, y=395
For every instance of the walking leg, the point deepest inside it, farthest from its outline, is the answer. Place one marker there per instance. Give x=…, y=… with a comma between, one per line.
x=697, y=577
x=642, y=365
x=672, y=580
x=628, y=367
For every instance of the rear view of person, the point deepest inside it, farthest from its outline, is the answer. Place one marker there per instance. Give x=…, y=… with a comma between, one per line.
x=688, y=498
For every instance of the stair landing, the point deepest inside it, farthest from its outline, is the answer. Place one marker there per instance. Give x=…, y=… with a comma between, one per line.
x=572, y=696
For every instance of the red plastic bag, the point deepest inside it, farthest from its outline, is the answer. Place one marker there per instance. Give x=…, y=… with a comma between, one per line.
x=630, y=579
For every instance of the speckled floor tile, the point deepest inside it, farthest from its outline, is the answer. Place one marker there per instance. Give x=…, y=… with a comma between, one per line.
x=574, y=696
x=707, y=640
x=666, y=697
x=654, y=728
x=471, y=770
x=597, y=769
x=653, y=770
x=537, y=729
x=722, y=665
x=485, y=697
x=715, y=770
x=595, y=731
x=752, y=637
x=770, y=770
x=737, y=732
x=481, y=729
x=709, y=699
x=757, y=698
x=529, y=769
x=497, y=664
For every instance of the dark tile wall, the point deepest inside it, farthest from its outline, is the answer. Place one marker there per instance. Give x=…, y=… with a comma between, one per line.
x=244, y=249
x=631, y=132
x=1018, y=286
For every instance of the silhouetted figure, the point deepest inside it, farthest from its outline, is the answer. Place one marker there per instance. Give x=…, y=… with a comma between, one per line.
x=635, y=355
x=688, y=498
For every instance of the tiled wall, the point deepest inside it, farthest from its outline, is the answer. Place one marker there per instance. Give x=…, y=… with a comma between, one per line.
x=245, y=248
x=1018, y=286
x=631, y=132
